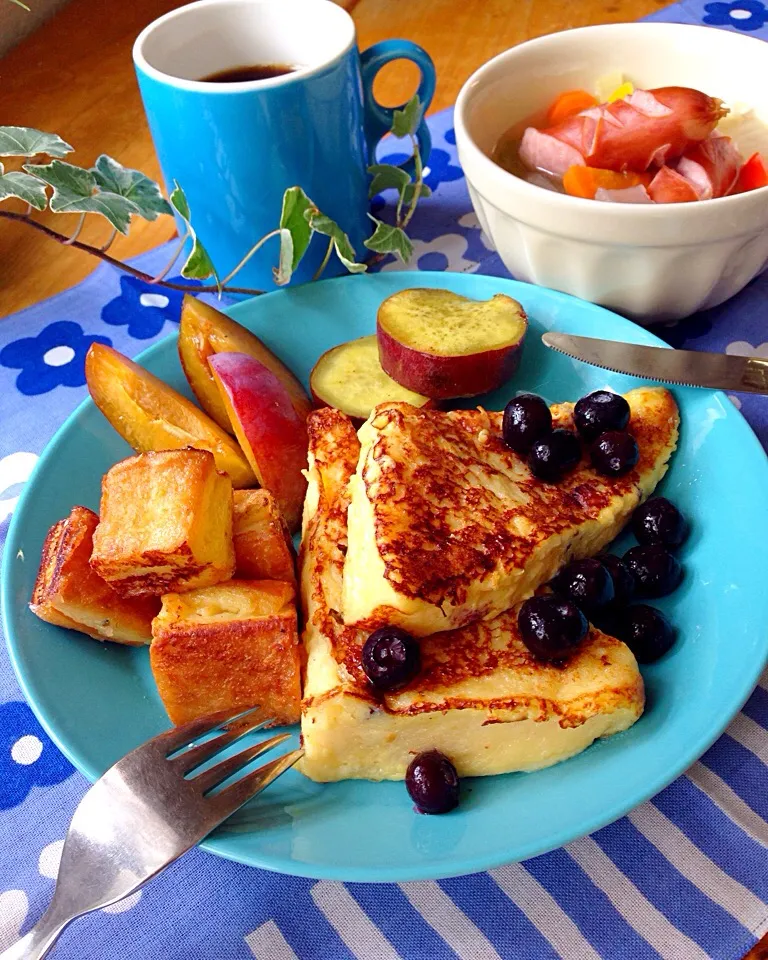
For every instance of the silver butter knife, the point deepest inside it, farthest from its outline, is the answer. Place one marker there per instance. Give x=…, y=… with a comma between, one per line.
x=690, y=368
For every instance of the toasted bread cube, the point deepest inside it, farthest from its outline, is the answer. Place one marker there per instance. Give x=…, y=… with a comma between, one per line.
x=166, y=524
x=263, y=545
x=228, y=647
x=68, y=593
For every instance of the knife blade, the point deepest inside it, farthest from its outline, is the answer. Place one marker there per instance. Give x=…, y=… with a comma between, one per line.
x=690, y=368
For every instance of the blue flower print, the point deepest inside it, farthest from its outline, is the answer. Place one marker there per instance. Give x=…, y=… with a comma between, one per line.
x=27, y=757
x=439, y=167
x=143, y=307
x=746, y=15
x=54, y=358
x=450, y=136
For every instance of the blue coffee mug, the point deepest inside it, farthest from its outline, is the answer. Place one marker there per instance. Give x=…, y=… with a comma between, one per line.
x=235, y=147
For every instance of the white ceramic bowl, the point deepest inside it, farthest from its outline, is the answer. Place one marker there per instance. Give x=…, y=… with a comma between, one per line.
x=649, y=262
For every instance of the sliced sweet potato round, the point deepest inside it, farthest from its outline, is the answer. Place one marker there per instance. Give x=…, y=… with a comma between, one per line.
x=349, y=377
x=442, y=345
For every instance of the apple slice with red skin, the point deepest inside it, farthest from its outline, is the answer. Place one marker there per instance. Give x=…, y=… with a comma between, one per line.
x=443, y=346
x=271, y=433
x=204, y=331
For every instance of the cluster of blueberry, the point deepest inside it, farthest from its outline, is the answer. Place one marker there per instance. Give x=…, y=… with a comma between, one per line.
x=601, y=589
x=601, y=419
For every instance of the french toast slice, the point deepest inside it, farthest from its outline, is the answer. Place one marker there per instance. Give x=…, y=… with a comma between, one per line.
x=480, y=698
x=263, y=545
x=447, y=525
x=228, y=647
x=68, y=593
x=166, y=523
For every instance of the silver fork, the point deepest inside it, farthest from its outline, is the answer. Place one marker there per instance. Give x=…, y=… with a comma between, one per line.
x=145, y=812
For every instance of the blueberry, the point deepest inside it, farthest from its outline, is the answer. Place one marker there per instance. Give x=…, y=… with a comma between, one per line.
x=659, y=521
x=432, y=782
x=391, y=657
x=526, y=418
x=551, y=626
x=623, y=581
x=554, y=455
x=587, y=582
x=600, y=411
x=646, y=631
x=614, y=453
x=655, y=570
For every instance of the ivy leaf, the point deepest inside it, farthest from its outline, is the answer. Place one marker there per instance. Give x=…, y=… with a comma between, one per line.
x=405, y=122
x=409, y=190
x=26, y=188
x=284, y=270
x=329, y=228
x=389, y=239
x=27, y=142
x=385, y=176
x=293, y=218
x=135, y=186
x=198, y=265
x=75, y=191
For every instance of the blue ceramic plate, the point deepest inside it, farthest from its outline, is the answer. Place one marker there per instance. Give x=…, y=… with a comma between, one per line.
x=98, y=701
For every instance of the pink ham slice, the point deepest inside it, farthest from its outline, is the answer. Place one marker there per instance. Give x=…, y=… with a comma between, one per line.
x=711, y=167
x=648, y=127
x=540, y=151
x=668, y=186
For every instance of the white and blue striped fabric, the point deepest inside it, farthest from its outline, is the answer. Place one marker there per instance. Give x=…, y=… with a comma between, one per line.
x=683, y=877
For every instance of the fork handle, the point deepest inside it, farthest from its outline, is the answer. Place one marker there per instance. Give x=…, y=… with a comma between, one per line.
x=39, y=941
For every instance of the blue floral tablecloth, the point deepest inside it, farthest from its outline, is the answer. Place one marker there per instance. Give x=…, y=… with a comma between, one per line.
x=684, y=877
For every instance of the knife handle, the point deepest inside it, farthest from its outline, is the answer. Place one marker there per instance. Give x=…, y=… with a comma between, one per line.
x=755, y=375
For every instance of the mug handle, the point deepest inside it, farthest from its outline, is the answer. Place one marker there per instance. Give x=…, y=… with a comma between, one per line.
x=378, y=119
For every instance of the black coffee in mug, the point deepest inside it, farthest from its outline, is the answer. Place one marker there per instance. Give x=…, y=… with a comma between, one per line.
x=259, y=71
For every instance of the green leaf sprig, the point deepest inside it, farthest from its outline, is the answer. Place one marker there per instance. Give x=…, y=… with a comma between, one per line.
x=118, y=194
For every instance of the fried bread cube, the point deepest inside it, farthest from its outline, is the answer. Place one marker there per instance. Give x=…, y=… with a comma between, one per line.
x=263, y=545
x=228, y=647
x=68, y=593
x=166, y=523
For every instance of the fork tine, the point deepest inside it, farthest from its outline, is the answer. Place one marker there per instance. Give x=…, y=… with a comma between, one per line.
x=223, y=770
x=231, y=798
x=179, y=737
x=201, y=752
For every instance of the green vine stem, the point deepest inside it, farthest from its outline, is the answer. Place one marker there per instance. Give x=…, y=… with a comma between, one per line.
x=103, y=255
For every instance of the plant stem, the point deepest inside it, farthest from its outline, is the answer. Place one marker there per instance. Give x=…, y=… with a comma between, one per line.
x=419, y=169
x=110, y=240
x=248, y=256
x=324, y=262
x=103, y=255
x=179, y=247
x=78, y=228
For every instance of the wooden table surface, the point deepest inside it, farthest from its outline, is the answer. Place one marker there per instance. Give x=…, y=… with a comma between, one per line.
x=74, y=77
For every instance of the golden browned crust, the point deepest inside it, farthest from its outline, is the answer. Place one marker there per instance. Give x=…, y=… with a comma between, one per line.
x=425, y=553
x=455, y=663
x=228, y=647
x=263, y=545
x=68, y=593
x=166, y=523
x=454, y=507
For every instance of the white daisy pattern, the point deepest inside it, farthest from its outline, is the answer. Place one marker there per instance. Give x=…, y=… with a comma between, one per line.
x=443, y=253
x=14, y=906
x=15, y=469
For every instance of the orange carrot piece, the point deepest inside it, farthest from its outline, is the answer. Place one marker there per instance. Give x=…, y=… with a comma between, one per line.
x=568, y=104
x=585, y=181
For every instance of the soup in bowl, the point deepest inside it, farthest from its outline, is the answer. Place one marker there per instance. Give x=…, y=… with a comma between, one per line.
x=650, y=261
